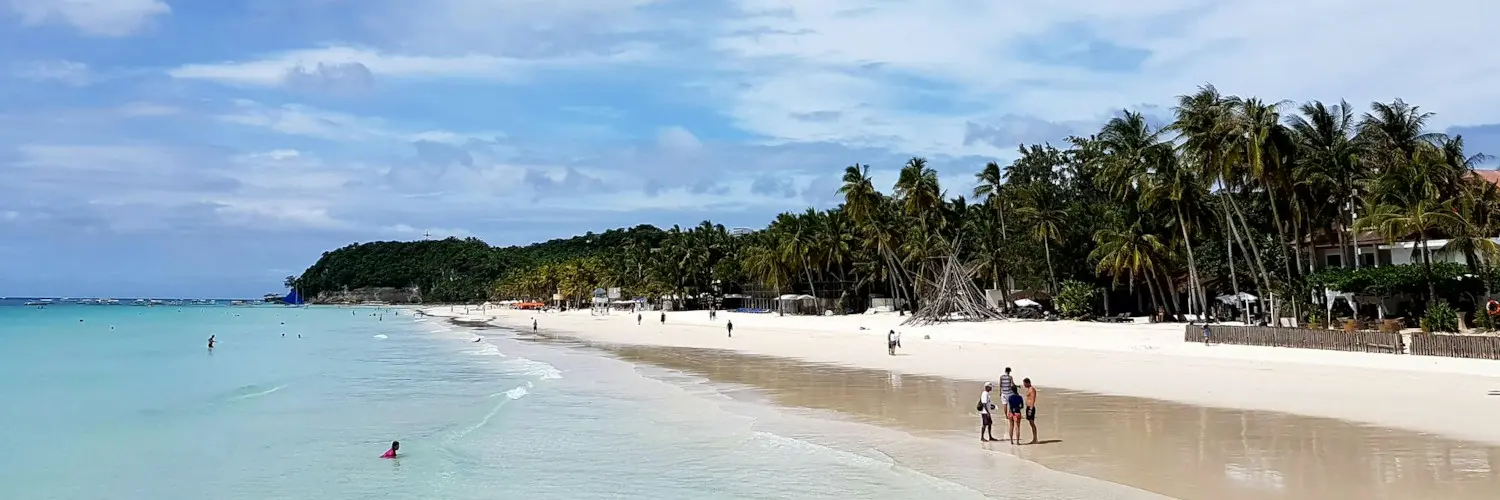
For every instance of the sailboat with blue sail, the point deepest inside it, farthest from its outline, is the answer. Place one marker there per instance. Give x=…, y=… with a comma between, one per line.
x=293, y=298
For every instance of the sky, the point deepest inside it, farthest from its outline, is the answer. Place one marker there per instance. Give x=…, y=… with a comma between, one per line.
x=208, y=148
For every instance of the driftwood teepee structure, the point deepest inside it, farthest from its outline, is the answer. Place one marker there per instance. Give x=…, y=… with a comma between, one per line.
x=954, y=297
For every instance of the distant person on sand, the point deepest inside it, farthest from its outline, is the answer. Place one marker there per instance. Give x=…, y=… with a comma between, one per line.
x=391, y=453
x=986, y=423
x=533, y=324
x=1030, y=406
x=637, y=319
x=730, y=327
x=890, y=343
x=663, y=317
x=1205, y=334
x=1013, y=405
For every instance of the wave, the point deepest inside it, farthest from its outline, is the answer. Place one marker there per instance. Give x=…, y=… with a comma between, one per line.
x=254, y=391
x=534, y=368
x=513, y=394
x=488, y=349
x=381, y=336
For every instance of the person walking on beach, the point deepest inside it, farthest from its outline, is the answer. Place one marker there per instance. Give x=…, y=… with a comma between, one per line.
x=1013, y=404
x=1030, y=407
x=663, y=317
x=1205, y=334
x=890, y=343
x=986, y=423
x=730, y=326
x=533, y=324
x=637, y=319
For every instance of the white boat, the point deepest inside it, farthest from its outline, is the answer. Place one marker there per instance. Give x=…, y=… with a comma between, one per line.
x=39, y=303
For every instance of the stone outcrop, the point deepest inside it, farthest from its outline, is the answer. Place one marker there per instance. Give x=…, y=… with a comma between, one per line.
x=389, y=295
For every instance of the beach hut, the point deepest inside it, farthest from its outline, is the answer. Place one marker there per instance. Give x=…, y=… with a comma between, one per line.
x=797, y=304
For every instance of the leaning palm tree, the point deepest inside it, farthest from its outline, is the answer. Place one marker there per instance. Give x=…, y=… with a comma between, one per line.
x=1420, y=217
x=1046, y=216
x=1129, y=253
x=991, y=181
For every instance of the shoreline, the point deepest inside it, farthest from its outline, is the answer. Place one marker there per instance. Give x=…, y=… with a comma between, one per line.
x=1154, y=446
x=1448, y=397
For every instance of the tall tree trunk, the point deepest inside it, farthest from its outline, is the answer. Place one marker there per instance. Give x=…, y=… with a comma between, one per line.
x=1174, y=306
x=1245, y=250
x=1151, y=291
x=1193, y=283
x=1051, y=275
x=1427, y=268
x=1287, y=263
x=1234, y=279
x=1260, y=264
x=807, y=269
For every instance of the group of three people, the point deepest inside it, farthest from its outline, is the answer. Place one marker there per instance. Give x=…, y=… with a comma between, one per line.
x=1015, y=405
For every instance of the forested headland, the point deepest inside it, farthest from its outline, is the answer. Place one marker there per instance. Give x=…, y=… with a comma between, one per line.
x=1233, y=195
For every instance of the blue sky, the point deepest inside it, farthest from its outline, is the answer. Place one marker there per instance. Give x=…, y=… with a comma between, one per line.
x=211, y=147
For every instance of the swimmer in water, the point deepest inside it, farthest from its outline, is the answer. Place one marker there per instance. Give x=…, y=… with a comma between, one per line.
x=391, y=453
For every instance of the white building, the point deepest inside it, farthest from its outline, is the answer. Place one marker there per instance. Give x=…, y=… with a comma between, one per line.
x=1375, y=252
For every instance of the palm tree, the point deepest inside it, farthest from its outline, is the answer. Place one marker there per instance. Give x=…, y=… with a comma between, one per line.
x=1046, y=217
x=1419, y=216
x=1129, y=253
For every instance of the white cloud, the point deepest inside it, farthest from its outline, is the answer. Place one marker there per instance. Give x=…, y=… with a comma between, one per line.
x=261, y=213
x=860, y=58
x=146, y=110
x=107, y=18
x=431, y=232
x=288, y=67
x=296, y=119
x=75, y=74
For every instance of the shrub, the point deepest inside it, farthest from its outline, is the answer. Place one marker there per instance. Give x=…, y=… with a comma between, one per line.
x=1314, y=319
x=1075, y=300
x=1441, y=317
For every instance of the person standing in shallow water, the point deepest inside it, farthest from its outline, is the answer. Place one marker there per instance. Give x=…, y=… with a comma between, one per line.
x=1013, y=406
x=533, y=324
x=210, y=342
x=986, y=422
x=1030, y=406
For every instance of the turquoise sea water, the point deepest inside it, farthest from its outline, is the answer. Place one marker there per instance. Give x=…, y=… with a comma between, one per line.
x=125, y=402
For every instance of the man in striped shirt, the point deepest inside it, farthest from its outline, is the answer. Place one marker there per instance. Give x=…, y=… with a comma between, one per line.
x=1007, y=387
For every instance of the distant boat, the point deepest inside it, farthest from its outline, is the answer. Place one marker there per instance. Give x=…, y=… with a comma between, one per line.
x=39, y=303
x=293, y=298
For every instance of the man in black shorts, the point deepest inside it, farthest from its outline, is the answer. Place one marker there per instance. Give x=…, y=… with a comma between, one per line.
x=1030, y=406
x=986, y=423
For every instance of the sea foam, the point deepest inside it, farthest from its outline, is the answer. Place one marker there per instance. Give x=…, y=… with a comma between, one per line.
x=533, y=368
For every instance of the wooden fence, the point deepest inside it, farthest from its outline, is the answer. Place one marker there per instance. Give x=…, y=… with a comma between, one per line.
x=1456, y=346
x=1301, y=338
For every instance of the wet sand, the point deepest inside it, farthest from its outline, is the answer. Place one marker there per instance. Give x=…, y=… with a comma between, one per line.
x=1176, y=450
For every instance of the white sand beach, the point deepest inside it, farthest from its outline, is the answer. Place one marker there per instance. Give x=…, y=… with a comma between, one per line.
x=1449, y=397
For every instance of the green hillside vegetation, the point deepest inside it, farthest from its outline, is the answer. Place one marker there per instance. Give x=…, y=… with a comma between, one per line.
x=1229, y=196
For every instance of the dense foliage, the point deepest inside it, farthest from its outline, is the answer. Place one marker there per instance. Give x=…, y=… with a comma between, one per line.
x=1233, y=195
x=448, y=270
x=1441, y=317
x=1076, y=299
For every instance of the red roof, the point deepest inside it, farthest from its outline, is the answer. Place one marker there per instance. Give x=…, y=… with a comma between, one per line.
x=1490, y=175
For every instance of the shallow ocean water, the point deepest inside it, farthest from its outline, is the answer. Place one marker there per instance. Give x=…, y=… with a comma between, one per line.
x=129, y=404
